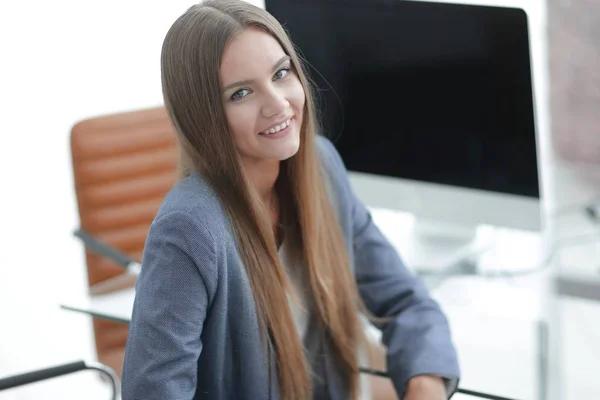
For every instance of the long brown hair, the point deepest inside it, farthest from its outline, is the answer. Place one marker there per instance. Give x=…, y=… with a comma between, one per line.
x=191, y=57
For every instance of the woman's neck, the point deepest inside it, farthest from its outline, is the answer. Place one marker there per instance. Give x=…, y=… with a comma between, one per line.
x=263, y=176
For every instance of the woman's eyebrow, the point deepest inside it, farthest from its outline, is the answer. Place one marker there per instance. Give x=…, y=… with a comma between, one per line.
x=249, y=81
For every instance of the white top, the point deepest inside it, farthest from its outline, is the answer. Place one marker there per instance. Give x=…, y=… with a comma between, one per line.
x=300, y=312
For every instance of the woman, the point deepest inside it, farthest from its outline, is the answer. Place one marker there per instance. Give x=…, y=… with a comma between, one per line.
x=261, y=260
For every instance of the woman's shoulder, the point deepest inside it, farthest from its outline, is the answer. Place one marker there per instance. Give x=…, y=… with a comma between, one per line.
x=194, y=200
x=336, y=174
x=330, y=158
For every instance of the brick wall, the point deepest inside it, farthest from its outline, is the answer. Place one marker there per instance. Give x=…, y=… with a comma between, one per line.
x=574, y=49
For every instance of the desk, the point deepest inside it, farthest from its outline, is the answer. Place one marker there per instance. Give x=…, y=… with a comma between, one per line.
x=577, y=264
x=578, y=274
x=498, y=337
x=568, y=188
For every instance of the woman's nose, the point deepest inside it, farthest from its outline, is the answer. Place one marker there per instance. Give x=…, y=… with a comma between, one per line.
x=274, y=103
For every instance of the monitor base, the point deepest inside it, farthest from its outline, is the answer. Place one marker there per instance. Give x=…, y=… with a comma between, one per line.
x=443, y=249
x=434, y=246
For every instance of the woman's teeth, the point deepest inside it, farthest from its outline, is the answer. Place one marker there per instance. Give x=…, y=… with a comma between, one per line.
x=277, y=128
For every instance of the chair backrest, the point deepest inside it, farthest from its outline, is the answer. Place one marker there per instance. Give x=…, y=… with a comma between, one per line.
x=123, y=165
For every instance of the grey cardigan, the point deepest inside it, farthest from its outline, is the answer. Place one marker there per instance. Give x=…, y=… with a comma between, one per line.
x=194, y=332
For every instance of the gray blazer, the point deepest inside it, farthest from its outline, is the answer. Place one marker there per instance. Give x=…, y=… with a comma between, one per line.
x=194, y=332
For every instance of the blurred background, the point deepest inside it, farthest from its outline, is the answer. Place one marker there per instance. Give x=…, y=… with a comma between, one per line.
x=526, y=336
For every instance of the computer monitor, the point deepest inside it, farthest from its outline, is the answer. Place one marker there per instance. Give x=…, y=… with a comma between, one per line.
x=430, y=105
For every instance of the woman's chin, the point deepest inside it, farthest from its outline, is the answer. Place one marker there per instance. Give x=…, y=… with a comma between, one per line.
x=286, y=150
x=291, y=152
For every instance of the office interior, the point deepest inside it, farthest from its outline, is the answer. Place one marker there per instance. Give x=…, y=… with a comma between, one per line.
x=514, y=261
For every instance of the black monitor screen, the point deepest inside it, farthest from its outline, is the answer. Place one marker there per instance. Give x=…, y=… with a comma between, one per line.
x=433, y=92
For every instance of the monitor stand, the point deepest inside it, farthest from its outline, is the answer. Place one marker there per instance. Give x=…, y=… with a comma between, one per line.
x=435, y=247
x=439, y=248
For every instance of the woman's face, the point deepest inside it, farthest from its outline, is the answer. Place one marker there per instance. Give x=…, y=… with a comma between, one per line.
x=262, y=96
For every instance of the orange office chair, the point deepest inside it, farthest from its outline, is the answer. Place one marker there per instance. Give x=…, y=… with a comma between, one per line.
x=123, y=166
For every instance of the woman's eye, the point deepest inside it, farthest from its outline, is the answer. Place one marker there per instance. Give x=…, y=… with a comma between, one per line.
x=240, y=94
x=281, y=73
